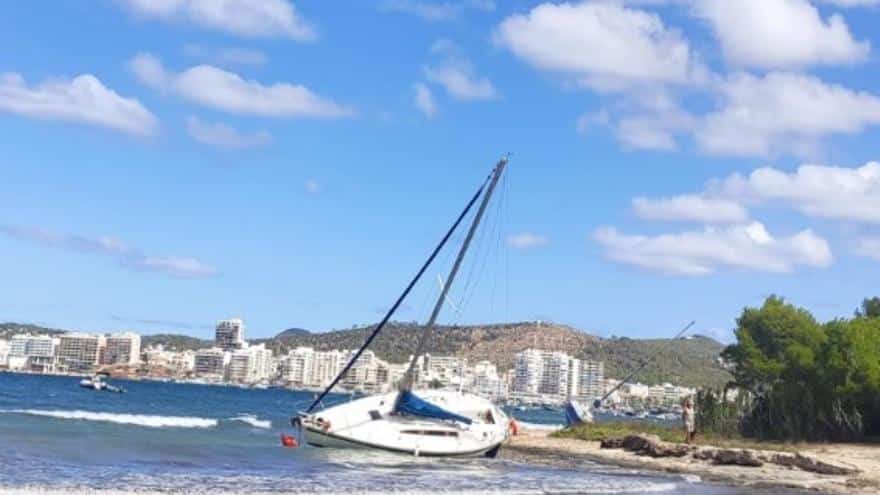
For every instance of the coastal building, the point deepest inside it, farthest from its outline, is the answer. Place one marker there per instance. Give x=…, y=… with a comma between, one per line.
x=250, y=364
x=80, y=352
x=32, y=345
x=122, y=348
x=229, y=334
x=485, y=381
x=444, y=371
x=591, y=383
x=528, y=368
x=211, y=363
x=4, y=353
x=325, y=366
x=296, y=368
x=368, y=373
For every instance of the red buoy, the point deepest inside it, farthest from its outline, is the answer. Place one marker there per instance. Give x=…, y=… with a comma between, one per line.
x=289, y=441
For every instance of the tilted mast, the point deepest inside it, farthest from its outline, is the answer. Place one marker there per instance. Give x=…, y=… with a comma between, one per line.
x=408, y=379
x=492, y=180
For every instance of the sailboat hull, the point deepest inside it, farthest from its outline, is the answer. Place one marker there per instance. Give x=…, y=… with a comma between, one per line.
x=368, y=423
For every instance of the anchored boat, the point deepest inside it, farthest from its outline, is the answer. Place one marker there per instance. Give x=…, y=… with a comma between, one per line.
x=430, y=423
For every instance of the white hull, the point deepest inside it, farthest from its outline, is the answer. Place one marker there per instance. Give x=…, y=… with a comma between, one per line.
x=367, y=423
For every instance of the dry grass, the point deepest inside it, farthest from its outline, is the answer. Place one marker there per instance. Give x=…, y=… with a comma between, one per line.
x=600, y=431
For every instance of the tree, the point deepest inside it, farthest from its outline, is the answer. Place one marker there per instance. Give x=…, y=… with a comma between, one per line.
x=870, y=308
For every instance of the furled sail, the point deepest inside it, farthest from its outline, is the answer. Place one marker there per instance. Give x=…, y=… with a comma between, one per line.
x=413, y=405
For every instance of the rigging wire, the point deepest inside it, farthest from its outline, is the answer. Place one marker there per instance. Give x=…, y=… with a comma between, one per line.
x=405, y=293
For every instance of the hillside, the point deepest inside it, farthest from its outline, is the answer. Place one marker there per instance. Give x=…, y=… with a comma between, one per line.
x=686, y=362
x=691, y=362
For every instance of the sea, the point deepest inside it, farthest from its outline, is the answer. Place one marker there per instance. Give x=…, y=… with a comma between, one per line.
x=56, y=437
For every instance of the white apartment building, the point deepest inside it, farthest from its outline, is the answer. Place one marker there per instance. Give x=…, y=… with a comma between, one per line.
x=368, y=373
x=528, y=367
x=211, y=363
x=541, y=372
x=229, y=334
x=591, y=383
x=80, y=351
x=486, y=382
x=447, y=370
x=122, y=348
x=176, y=362
x=250, y=364
x=32, y=345
x=296, y=368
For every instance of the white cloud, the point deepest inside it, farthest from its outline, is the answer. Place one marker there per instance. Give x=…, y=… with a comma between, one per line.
x=602, y=45
x=435, y=11
x=227, y=55
x=455, y=73
x=527, y=240
x=263, y=18
x=746, y=247
x=690, y=207
x=81, y=99
x=229, y=92
x=423, y=99
x=818, y=191
x=782, y=113
x=868, y=247
x=312, y=186
x=223, y=136
x=127, y=256
x=780, y=33
x=460, y=82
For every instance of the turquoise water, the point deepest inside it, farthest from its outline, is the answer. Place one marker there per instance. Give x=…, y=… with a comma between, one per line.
x=164, y=437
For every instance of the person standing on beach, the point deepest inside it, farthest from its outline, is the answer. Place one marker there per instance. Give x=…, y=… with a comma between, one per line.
x=688, y=417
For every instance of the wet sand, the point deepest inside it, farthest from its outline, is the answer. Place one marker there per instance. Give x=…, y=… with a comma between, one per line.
x=537, y=446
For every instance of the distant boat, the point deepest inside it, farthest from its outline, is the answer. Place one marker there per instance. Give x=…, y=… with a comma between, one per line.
x=98, y=383
x=430, y=423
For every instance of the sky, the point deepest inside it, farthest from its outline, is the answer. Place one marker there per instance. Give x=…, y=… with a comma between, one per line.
x=166, y=164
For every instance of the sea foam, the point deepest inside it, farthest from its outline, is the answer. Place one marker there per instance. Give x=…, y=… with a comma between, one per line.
x=253, y=421
x=146, y=420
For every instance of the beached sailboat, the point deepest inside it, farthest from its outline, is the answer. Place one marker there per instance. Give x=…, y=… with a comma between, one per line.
x=436, y=423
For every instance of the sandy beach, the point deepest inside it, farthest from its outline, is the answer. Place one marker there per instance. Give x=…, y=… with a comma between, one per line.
x=538, y=446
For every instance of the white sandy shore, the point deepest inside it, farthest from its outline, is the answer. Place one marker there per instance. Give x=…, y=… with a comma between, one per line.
x=537, y=446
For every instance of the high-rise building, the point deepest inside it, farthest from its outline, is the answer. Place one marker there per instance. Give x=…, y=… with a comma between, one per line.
x=297, y=366
x=229, y=334
x=211, y=363
x=80, y=351
x=541, y=372
x=249, y=364
x=592, y=379
x=122, y=348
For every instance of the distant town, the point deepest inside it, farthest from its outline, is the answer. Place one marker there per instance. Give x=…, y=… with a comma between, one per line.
x=538, y=377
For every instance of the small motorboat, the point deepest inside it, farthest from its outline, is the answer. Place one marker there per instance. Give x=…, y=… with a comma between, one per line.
x=98, y=383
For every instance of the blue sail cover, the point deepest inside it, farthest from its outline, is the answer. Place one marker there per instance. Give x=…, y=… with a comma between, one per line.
x=410, y=403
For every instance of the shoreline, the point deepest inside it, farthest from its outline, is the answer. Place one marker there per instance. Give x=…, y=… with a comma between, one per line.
x=538, y=447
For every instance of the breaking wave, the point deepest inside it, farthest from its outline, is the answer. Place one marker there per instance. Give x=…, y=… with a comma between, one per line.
x=253, y=421
x=146, y=420
x=539, y=427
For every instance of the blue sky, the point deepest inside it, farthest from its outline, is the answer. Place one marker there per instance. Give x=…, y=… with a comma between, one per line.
x=167, y=164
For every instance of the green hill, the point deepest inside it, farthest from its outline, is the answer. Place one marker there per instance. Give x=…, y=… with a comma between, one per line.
x=690, y=362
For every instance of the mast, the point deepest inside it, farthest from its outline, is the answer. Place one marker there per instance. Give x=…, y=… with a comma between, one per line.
x=408, y=378
x=402, y=296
